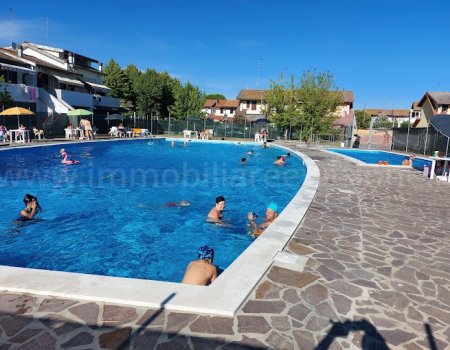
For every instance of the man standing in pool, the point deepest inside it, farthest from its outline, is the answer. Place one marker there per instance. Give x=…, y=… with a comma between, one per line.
x=271, y=214
x=216, y=213
x=201, y=272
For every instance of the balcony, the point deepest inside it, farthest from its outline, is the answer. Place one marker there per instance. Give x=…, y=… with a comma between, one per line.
x=21, y=92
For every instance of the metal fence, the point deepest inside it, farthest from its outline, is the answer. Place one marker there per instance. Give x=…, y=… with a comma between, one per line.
x=424, y=141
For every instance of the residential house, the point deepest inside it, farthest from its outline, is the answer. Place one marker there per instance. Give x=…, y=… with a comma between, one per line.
x=415, y=113
x=432, y=104
x=252, y=104
x=395, y=116
x=52, y=81
x=221, y=110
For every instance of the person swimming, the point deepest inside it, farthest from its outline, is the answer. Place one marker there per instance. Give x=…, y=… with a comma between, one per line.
x=31, y=207
x=201, y=272
x=64, y=154
x=183, y=203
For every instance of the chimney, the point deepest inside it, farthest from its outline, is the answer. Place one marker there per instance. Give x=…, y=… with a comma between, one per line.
x=20, y=51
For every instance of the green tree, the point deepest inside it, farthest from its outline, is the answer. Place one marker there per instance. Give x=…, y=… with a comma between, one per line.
x=362, y=119
x=149, y=91
x=405, y=124
x=6, y=100
x=119, y=83
x=133, y=74
x=311, y=104
x=319, y=100
x=215, y=97
x=283, y=102
x=189, y=101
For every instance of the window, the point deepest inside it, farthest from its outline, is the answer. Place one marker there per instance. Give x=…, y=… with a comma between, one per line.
x=444, y=108
x=248, y=104
x=253, y=105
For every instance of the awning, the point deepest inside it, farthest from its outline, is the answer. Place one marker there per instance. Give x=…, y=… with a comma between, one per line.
x=441, y=123
x=16, y=68
x=98, y=86
x=69, y=81
x=255, y=117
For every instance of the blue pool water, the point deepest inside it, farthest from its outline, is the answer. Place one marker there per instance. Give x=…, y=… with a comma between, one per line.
x=373, y=157
x=108, y=216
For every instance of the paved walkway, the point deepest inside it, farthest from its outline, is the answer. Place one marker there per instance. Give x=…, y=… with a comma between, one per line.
x=377, y=277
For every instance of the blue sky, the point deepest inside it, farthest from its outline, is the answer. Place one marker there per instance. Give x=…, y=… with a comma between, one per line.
x=389, y=53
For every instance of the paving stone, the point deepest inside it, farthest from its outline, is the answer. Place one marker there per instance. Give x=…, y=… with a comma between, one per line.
x=25, y=335
x=59, y=324
x=299, y=312
x=145, y=339
x=214, y=325
x=304, y=340
x=152, y=318
x=291, y=278
x=291, y=296
x=397, y=337
x=365, y=283
x=118, y=315
x=299, y=248
x=252, y=324
x=328, y=274
x=246, y=343
x=316, y=324
x=315, y=294
x=277, y=341
x=178, y=343
x=83, y=338
x=205, y=343
x=263, y=306
x=14, y=324
x=55, y=305
x=345, y=288
x=86, y=312
x=177, y=321
x=44, y=341
x=342, y=303
x=280, y=323
x=395, y=300
x=13, y=304
x=116, y=339
x=267, y=290
x=440, y=314
x=325, y=310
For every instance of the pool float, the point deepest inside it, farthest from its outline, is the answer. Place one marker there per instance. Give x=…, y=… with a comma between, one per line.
x=67, y=161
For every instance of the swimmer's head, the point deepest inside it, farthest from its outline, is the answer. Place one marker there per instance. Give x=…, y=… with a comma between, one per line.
x=62, y=150
x=184, y=203
x=29, y=198
x=205, y=253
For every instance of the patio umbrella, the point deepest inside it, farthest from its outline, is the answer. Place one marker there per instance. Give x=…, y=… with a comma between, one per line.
x=17, y=111
x=114, y=116
x=80, y=112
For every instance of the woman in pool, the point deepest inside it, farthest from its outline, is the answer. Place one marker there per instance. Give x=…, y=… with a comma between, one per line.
x=64, y=154
x=32, y=206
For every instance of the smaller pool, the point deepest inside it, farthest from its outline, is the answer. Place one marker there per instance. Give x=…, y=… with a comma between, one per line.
x=373, y=157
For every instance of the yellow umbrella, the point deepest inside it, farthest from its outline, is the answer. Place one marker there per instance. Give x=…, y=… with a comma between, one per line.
x=17, y=111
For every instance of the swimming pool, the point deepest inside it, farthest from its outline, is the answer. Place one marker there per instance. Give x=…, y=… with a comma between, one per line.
x=108, y=215
x=373, y=157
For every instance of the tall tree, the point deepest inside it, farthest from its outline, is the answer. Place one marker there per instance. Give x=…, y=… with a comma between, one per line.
x=362, y=119
x=117, y=81
x=189, y=101
x=318, y=101
x=215, y=97
x=133, y=74
x=283, y=102
x=149, y=91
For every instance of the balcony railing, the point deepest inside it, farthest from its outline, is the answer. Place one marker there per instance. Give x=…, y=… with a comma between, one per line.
x=21, y=92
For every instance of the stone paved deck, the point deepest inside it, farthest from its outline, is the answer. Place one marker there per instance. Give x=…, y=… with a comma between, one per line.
x=377, y=277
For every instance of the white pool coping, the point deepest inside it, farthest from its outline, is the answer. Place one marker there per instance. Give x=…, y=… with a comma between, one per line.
x=223, y=297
